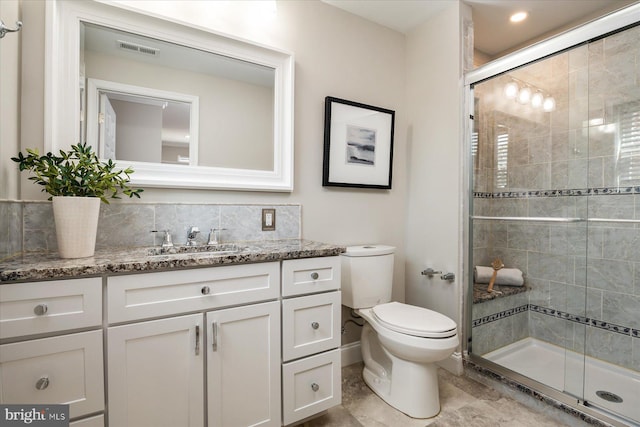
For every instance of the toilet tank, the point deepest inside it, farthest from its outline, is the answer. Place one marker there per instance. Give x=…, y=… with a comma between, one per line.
x=367, y=275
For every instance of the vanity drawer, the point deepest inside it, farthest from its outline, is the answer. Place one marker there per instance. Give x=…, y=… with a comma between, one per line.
x=148, y=295
x=310, y=275
x=310, y=324
x=59, y=370
x=43, y=307
x=310, y=385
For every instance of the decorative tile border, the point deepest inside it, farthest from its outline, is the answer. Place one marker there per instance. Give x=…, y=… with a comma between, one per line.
x=501, y=315
x=557, y=193
x=611, y=327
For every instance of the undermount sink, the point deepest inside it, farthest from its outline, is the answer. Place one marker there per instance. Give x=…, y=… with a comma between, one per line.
x=219, y=249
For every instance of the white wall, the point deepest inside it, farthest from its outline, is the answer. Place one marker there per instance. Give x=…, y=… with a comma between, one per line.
x=433, y=232
x=9, y=101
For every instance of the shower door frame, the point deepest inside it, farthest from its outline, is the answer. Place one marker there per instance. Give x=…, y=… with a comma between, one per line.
x=610, y=23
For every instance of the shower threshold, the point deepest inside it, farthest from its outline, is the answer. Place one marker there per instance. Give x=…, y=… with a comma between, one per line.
x=563, y=370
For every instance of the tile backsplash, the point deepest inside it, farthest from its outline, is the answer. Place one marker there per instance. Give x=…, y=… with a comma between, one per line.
x=29, y=226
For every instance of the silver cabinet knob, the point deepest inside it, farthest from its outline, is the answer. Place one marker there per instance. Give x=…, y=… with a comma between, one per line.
x=315, y=275
x=315, y=387
x=40, y=309
x=315, y=325
x=205, y=290
x=42, y=383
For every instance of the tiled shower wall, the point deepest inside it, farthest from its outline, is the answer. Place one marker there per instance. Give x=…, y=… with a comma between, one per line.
x=29, y=226
x=584, y=277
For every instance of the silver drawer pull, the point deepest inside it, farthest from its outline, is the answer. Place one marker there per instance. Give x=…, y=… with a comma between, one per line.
x=315, y=325
x=214, y=337
x=197, y=340
x=205, y=290
x=315, y=387
x=42, y=383
x=40, y=309
x=315, y=275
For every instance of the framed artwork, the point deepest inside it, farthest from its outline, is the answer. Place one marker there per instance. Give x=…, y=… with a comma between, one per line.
x=358, y=145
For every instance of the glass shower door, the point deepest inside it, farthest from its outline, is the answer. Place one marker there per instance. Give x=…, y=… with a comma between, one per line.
x=530, y=164
x=612, y=298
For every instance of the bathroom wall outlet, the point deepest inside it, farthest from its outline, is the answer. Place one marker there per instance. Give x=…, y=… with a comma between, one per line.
x=268, y=219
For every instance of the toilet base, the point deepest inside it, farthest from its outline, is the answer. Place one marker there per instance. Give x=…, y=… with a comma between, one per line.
x=420, y=399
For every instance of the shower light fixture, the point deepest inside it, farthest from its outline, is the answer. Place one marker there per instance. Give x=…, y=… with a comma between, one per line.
x=537, y=99
x=511, y=90
x=524, y=96
x=525, y=93
x=549, y=104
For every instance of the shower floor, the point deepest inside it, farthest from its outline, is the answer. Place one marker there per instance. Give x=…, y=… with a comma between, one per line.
x=563, y=370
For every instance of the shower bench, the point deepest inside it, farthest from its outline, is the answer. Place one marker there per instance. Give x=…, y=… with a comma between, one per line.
x=481, y=295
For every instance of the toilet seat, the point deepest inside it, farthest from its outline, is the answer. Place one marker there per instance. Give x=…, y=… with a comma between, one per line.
x=415, y=321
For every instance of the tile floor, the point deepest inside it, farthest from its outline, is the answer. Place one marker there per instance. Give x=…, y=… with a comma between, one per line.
x=464, y=402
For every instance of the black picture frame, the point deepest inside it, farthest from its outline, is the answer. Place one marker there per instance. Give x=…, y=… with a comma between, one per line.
x=358, y=145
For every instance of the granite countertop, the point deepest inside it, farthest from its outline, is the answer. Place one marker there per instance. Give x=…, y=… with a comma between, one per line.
x=43, y=266
x=480, y=293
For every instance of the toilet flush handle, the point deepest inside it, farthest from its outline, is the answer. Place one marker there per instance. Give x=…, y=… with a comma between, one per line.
x=430, y=272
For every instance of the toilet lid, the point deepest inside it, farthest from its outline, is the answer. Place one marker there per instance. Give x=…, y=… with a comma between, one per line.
x=416, y=321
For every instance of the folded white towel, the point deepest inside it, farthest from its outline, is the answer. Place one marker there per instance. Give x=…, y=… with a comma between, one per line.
x=505, y=276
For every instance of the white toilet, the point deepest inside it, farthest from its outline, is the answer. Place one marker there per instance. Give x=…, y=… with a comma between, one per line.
x=400, y=343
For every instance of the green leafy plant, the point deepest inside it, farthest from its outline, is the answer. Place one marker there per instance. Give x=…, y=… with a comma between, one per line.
x=77, y=172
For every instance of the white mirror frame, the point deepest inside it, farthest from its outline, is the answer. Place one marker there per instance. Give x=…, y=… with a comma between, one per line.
x=62, y=93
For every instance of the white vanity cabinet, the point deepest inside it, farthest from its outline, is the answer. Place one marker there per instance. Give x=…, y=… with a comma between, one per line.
x=157, y=347
x=61, y=366
x=310, y=337
x=252, y=344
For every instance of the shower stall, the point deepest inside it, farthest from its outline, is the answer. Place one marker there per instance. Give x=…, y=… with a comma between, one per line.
x=555, y=194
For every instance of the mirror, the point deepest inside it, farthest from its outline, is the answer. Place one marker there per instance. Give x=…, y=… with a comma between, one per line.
x=180, y=105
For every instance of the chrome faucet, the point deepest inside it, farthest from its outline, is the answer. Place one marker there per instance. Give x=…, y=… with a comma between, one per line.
x=191, y=236
x=166, y=241
x=214, y=236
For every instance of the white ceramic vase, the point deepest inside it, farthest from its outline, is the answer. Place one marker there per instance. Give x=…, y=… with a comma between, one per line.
x=76, y=221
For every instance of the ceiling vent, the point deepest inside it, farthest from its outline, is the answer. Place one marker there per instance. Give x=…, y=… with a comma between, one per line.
x=134, y=47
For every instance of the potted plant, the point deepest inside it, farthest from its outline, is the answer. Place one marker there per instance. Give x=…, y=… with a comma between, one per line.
x=77, y=181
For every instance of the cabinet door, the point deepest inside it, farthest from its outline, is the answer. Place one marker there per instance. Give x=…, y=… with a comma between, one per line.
x=155, y=373
x=63, y=370
x=243, y=357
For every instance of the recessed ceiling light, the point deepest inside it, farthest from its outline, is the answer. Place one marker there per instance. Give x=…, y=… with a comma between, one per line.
x=518, y=17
